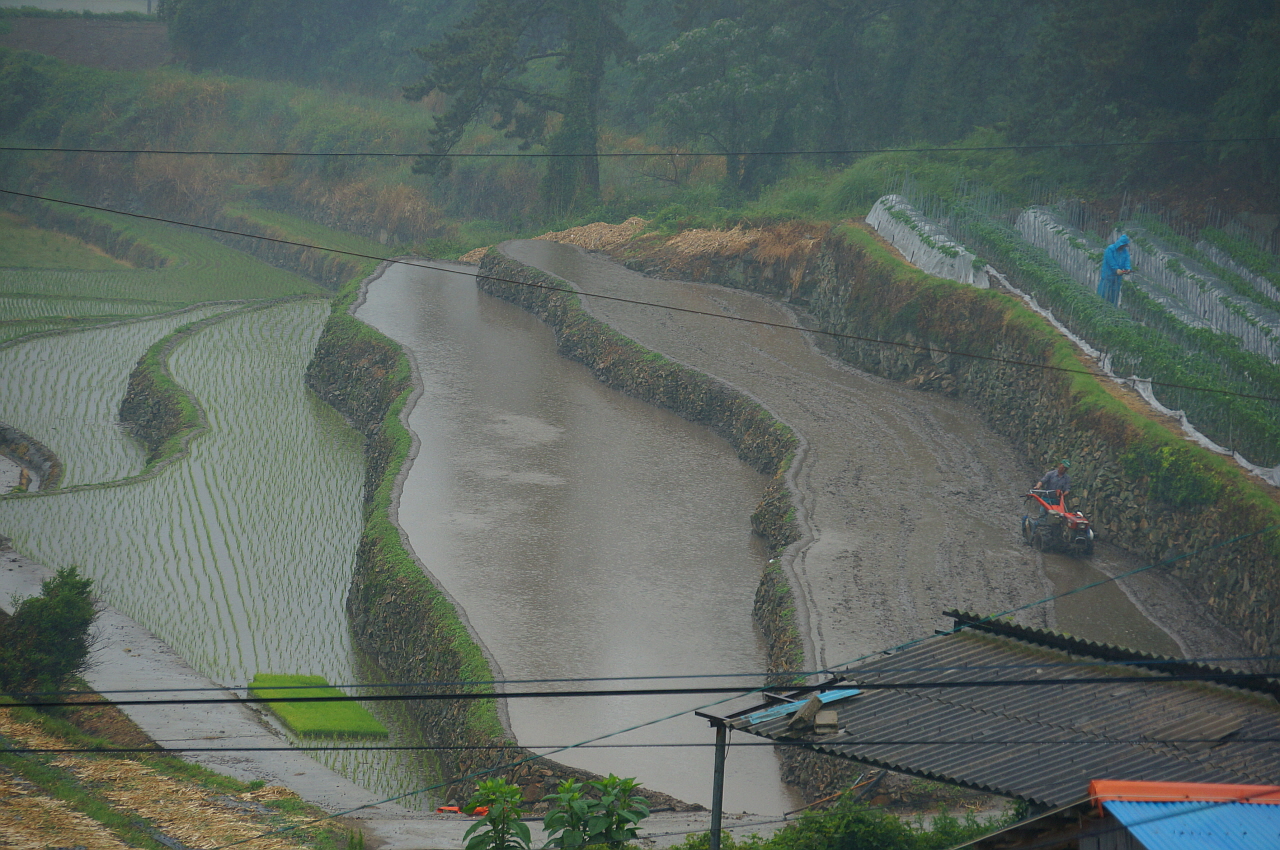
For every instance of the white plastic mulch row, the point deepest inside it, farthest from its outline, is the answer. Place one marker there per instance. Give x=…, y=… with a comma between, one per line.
x=925, y=245
x=1076, y=263
x=1179, y=284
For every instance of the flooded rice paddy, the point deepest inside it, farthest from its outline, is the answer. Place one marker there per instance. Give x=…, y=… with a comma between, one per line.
x=584, y=534
x=65, y=391
x=238, y=556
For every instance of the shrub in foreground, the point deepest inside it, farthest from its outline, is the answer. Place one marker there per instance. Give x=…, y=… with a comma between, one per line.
x=47, y=639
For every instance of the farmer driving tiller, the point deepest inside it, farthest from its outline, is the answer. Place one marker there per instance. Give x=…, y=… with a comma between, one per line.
x=1048, y=524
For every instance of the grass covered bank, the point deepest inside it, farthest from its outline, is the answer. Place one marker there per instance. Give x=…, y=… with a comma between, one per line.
x=400, y=618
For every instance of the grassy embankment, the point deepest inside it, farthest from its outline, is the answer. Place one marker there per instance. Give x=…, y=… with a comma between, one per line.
x=398, y=615
x=88, y=281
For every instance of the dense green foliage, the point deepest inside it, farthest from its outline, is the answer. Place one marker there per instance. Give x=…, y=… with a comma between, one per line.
x=605, y=812
x=519, y=61
x=35, y=12
x=850, y=825
x=319, y=719
x=501, y=827
x=807, y=75
x=365, y=43
x=47, y=640
x=601, y=813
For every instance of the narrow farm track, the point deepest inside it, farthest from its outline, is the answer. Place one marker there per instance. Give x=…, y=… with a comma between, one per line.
x=910, y=502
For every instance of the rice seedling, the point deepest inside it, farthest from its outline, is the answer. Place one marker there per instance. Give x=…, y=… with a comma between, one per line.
x=15, y=308
x=315, y=719
x=239, y=556
x=65, y=390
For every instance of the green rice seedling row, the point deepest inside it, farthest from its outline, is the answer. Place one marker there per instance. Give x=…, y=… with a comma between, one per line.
x=319, y=719
x=17, y=308
x=240, y=555
x=65, y=391
x=10, y=331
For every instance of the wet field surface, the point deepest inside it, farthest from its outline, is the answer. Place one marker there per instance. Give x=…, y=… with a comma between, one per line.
x=583, y=534
x=912, y=503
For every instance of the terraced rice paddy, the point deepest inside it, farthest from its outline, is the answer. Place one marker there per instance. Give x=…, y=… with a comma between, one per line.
x=199, y=270
x=65, y=391
x=239, y=556
x=18, y=308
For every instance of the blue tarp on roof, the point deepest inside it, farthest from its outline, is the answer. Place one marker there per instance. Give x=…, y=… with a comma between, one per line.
x=1200, y=826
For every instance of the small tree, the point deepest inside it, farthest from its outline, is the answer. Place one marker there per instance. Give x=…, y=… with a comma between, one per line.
x=47, y=639
x=501, y=828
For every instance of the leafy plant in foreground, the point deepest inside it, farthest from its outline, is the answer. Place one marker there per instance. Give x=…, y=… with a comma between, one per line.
x=501, y=828
x=611, y=820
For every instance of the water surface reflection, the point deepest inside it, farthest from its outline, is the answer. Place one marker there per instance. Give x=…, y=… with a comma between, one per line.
x=584, y=533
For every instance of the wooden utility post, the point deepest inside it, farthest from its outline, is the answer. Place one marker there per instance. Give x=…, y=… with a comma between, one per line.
x=717, y=776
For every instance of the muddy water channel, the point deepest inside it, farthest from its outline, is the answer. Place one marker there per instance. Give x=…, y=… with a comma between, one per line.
x=584, y=534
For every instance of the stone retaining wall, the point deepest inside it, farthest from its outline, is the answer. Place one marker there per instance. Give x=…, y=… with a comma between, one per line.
x=32, y=455
x=850, y=285
x=401, y=620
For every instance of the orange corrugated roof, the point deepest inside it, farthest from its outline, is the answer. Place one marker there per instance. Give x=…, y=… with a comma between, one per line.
x=1164, y=792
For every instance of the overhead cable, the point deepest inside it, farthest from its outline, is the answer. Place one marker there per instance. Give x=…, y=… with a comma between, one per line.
x=1239, y=678
x=888, y=742
x=649, y=154
x=798, y=674
x=780, y=325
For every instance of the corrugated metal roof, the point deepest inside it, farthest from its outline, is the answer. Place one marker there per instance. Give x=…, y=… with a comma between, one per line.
x=1040, y=743
x=1200, y=826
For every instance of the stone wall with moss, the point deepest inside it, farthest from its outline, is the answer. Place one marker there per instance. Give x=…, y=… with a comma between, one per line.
x=41, y=463
x=1145, y=488
x=400, y=618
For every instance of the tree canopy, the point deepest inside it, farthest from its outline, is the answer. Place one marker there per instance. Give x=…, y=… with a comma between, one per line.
x=767, y=75
x=47, y=641
x=522, y=63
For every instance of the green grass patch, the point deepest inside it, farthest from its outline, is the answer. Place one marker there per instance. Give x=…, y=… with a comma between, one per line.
x=197, y=269
x=306, y=231
x=315, y=719
x=23, y=246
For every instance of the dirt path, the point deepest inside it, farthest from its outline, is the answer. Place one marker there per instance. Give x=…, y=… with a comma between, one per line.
x=910, y=501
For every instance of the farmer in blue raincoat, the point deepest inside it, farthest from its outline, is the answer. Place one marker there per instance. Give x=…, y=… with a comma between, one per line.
x=1115, y=262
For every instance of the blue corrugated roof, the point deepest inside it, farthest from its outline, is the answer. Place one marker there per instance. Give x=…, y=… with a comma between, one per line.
x=1200, y=826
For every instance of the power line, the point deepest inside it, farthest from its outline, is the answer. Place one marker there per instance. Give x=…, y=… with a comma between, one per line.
x=1218, y=677
x=650, y=154
x=928, y=668
x=634, y=302
x=903, y=742
x=634, y=727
